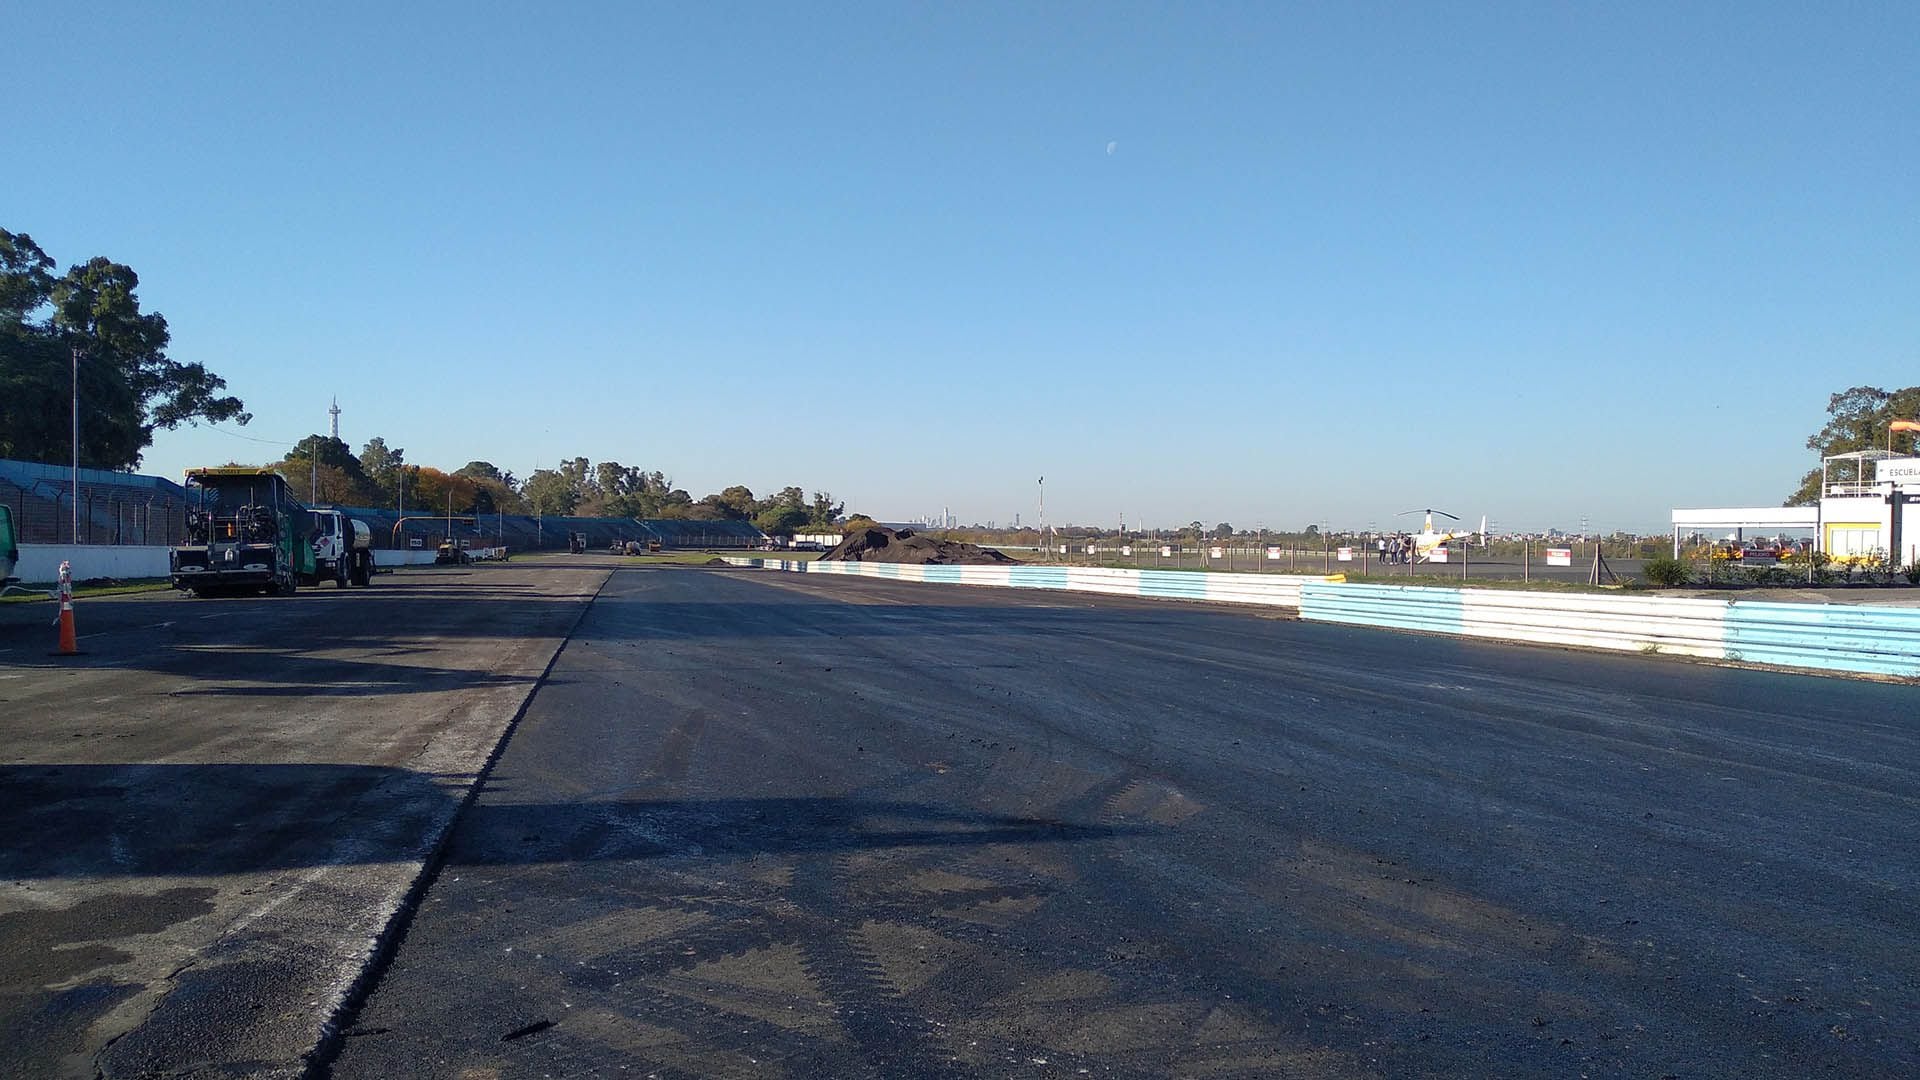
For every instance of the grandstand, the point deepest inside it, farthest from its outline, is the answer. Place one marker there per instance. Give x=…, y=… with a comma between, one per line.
x=115, y=507
x=519, y=532
x=128, y=508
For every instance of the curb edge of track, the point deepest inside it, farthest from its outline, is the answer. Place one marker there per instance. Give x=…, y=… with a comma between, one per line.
x=317, y=1061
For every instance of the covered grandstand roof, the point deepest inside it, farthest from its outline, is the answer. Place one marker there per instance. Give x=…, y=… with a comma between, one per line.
x=681, y=533
x=26, y=473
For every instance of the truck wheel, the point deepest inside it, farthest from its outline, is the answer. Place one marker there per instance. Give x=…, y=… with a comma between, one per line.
x=363, y=572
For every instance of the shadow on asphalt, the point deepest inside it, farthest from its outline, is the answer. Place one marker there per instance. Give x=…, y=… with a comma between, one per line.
x=105, y=821
x=493, y=833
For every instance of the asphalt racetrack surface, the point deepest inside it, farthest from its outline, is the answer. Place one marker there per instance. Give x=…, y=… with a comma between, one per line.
x=212, y=815
x=765, y=825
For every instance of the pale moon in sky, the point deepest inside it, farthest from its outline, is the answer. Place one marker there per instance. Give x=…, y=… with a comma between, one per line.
x=1111, y=147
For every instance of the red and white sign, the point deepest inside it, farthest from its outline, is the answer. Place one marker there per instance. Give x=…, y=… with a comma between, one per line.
x=1438, y=554
x=1166, y=550
x=1344, y=554
x=1218, y=552
x=1559, y=556
x=1273, y=551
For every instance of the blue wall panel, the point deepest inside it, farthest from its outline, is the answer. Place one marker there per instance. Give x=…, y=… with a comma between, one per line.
x=1173, y=584
x=1037, y=577
x=1839, y=637
x=1400, y=607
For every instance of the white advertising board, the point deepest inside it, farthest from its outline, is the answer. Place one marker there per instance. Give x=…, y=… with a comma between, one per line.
x=1898, y=469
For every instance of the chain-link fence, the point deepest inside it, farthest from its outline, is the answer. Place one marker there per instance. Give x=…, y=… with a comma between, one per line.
x=43, y=513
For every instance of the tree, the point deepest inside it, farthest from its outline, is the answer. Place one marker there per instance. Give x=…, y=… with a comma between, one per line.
x=781, y=520
x=824, y=511
x=382, y=467
x=433, y=491
x=578, y=473
x=323, y=484
x=1223, y=531
x=128, y=386
x=1857, y=419
x=326, y=463
x=484, y=470
x=550, y=492
x=613, y=478
x=739, y=502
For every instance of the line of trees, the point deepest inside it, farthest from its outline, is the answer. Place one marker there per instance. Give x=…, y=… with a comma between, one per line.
x=380, y=476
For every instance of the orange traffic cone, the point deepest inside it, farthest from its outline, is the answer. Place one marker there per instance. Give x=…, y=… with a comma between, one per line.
x=69, y=643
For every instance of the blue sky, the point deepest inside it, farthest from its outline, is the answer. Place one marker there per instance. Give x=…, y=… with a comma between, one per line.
x=1261, y=263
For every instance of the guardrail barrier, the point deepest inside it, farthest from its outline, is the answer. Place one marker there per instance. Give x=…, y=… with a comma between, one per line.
x=1869, y=639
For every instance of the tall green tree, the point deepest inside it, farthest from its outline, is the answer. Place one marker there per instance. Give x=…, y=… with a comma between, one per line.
x=824, y=511
x=739, y=502
x=1857, y=419
x=781, y=520
x=128, y=386
x=325, y=467
x=549, y=491
x=382, y=466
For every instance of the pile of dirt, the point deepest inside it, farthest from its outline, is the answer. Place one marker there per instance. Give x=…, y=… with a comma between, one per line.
x=881, y=544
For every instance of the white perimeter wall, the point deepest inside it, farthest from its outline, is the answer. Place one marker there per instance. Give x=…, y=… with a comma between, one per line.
x=40, y=563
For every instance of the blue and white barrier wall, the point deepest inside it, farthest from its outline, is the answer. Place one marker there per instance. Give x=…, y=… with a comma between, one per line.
x=1636, y=623
x=1875, y=640
x=1267, y=590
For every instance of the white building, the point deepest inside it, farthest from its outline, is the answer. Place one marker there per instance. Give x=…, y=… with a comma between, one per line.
x=1869, y=505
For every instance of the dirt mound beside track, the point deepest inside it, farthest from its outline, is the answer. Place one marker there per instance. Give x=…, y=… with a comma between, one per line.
x=882, y=544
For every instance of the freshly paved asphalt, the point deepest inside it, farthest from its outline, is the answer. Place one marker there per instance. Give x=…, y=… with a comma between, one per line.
x=775, y=825
x=211, y=815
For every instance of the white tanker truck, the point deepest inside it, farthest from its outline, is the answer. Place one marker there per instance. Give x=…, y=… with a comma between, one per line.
x=342, y=549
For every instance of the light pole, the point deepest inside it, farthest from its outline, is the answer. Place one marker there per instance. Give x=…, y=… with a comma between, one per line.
x=76, y=444
x=1043, y=519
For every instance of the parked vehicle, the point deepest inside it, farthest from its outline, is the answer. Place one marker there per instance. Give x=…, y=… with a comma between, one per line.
x=9, y=548
x=245, y=533
x=342, y=549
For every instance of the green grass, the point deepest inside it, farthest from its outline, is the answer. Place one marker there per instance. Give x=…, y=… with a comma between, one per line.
x=118, y=588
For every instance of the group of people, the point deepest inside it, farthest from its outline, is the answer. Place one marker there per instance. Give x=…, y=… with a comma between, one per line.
x=1397, y=550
